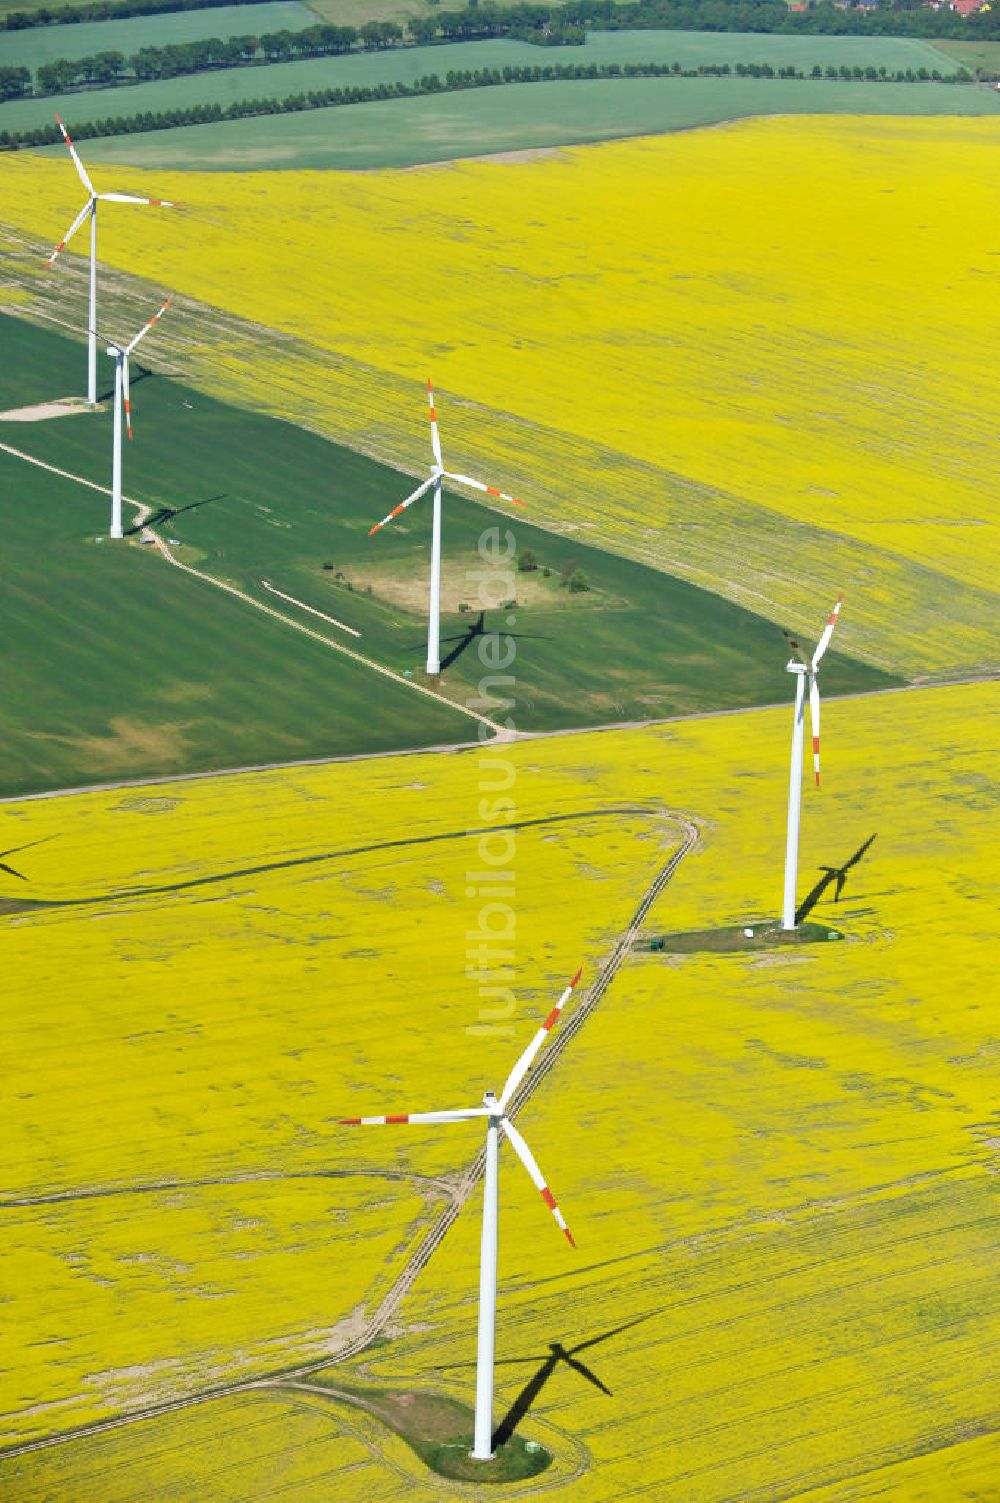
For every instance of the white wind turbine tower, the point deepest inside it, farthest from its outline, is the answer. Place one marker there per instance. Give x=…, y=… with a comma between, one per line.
x=89, y=210
x=120, y=354
x=438, y=473
x=802, y=667
x=494, y=1109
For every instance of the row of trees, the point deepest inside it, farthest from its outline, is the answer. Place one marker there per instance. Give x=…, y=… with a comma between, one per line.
x=431, y=83
x=109, y=68
x=891, y=18
x=193, y=57
x=106, y=10
x=568, y=22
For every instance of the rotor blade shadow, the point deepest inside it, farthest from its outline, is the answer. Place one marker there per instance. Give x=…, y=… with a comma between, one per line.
x=142, y=374
x=168, y=513
x=558, y=1353
x=831, y=874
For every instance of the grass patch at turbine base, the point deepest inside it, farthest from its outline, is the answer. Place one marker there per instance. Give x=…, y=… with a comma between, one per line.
x=733, y=938
x=439, y=1430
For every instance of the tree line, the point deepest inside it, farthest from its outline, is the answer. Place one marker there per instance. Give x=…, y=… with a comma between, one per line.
x=453, y=81
x=526, y=21
x=108, y=68
x=569, y=22
x=106, y=10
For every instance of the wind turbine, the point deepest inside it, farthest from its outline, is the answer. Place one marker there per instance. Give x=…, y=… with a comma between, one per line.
x=494, y=1109
x=89, y=210
x=120, y=355
x=438, y=473
x=801, y=668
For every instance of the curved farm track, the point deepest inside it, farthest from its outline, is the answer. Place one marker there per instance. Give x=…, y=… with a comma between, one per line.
x=457, y=1192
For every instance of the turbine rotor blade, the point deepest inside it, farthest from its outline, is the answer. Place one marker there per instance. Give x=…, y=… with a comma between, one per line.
x=526, y=1060
x=435, y=439
x=85, y=180
x=71, y=231
x=147, y=326
x=463, y=1114
x=824, y=640
x=488, y=490
x=125, y=394
x=130, y=198
x=524, y=1153
x=814, y=721
x=413, y=496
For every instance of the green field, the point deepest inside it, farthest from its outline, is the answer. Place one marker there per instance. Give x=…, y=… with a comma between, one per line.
x=42, y=44
x=407, y=64
x=118, y=667
x=973, y=55
x=177, y=680
x=408, y=132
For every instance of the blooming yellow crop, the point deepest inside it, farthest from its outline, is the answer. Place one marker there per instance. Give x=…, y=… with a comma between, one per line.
x=229, y=966
x=778, y=1162
x=666, y=342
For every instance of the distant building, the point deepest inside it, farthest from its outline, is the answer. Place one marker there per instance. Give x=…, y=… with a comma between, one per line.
x=969, y=7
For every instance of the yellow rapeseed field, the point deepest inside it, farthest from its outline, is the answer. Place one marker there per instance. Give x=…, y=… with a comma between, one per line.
x=665, y=342
x=779, y=1164
x=198, y=1036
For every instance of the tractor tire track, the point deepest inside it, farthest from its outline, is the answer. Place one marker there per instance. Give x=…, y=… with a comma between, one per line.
x=458, y=1194
x=445, y=1187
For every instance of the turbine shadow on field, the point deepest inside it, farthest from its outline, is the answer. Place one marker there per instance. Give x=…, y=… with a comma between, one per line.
x=478, y=628
x=142, y=374
x=831, y=874
x=168, y=513
x=547, y=1365
x=12, y=850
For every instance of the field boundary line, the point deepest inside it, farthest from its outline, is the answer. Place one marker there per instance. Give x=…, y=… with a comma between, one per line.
x=143, y=512
x=444, y=747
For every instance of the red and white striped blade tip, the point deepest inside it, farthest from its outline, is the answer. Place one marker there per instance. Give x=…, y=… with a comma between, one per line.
x=372, y=1121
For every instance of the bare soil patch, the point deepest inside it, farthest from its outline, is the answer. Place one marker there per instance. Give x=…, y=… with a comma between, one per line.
x=61, y=407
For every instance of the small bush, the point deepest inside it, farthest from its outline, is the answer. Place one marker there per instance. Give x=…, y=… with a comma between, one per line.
x=578, y=582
